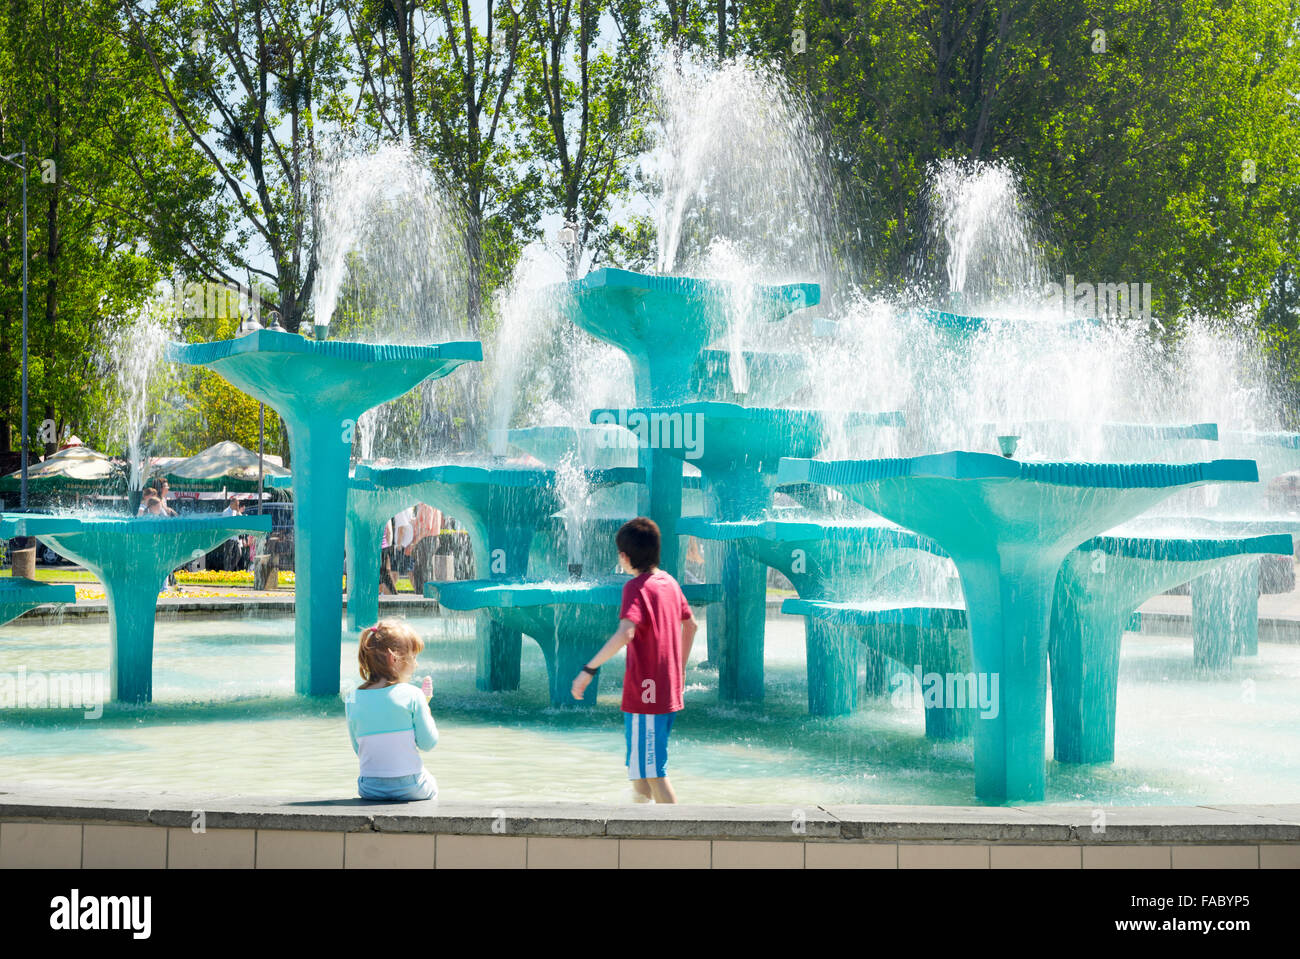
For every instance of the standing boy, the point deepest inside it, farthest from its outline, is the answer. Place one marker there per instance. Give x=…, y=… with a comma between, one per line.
x=657, y=627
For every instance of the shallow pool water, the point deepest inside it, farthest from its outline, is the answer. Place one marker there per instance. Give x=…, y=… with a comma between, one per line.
x=225, y=720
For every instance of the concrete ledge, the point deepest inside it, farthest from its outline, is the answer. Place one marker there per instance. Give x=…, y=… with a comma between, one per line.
x=1011, y=825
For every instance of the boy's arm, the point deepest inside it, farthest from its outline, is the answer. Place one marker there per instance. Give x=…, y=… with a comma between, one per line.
x=622, y=636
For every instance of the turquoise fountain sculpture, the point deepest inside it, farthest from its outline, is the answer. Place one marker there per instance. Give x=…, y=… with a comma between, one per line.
x=595, y=447
x=1100, y=584
x=1008, y=525
x=18, y=594
x=824, y=558
x=1225, y=603
x=320, y=388
x=370, y=507
x=929, y=640
x=738, y=449
x=570, y=621
x=132, y=556
x=501, y=508
x=665, y=325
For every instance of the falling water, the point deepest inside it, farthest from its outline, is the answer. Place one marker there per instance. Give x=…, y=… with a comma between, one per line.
x=541, y=369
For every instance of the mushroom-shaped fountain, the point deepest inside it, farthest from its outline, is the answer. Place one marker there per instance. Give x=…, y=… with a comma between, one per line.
x=1099, y=586
x=320, y=388
x=132, y=556
x=1008, y=526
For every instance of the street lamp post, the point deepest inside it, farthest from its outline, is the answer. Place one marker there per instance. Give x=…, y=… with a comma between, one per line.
x=22, y=488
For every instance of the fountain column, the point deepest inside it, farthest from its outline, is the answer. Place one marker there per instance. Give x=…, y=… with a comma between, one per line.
x=665, y=324
x=320, y=389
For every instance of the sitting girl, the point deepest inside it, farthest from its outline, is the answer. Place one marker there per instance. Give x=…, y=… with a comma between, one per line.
x=388, y=718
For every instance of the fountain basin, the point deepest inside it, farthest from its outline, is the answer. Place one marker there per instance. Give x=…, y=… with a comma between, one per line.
x=1133, y=442
x=18, y=594
x=738, y=448
x=824, y=558
x=570, y=621
x=1008, y=526
x=320, y=388
x=132, y=556
x=966, y=325
x=664, y=323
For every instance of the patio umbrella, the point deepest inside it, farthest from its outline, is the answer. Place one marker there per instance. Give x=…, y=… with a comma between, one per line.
x=225, y=465
x=76, y=468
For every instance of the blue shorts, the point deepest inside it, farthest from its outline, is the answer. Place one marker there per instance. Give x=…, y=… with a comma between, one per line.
x=399, y=788
x=647, y=743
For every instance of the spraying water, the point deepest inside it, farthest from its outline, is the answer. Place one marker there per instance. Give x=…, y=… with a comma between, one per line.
x=575, y=492
x=388, y=228
x=392, y=269
x=737, y=157
x=979, y=225
x=142, y=380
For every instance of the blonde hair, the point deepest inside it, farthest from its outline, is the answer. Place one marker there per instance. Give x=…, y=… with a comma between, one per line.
x=377, y=641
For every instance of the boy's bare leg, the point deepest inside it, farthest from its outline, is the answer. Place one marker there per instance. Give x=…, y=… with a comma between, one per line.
x=642, y=788
x=662, y=790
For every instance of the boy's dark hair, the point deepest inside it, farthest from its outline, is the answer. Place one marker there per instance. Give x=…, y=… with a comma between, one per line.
x=639, y=539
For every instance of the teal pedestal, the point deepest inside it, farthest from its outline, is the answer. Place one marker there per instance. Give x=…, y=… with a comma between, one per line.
x=1100, y=585
x=18, y=595
x=501, y=507
x=369, y=510
x=320, y=388
x=824, y=558
x=569, y=621
x=1008, y=525
x=929, y=647
x=132, y=557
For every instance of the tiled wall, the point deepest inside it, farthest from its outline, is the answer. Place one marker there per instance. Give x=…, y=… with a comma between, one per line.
x=100, y=845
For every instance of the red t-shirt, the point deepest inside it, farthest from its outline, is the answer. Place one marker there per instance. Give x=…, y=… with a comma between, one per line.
x=653, y=679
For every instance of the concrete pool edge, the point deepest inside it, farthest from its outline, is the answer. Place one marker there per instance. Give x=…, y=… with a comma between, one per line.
x=57, y=828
